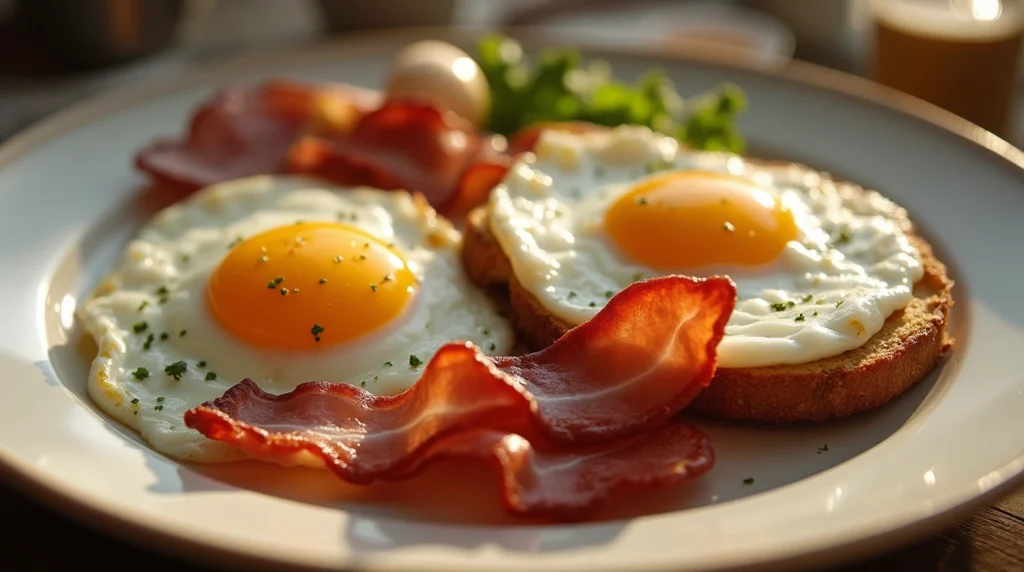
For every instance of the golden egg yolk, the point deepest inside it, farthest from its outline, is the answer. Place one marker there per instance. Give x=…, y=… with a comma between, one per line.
x=309, y=285
x=678, y=220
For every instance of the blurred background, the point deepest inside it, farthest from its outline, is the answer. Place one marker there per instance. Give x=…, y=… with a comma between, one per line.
x=963, y=55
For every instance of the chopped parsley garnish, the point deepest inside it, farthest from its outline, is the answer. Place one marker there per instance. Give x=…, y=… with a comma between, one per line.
x=815, y=313
x=608, y=293
x=284, y=291
x=182, y=333
x=844, y=237
x=210, y=376
x=373, y=287
x=638, y=277
x=362, y=383
x=388, y=364
x=143, y=305
x=160, y=399
x=730, y=227
x=780, y=306
x=807, y=298
x=140, y=327
x=275, y=282
x=592, y=304
x=839, y=303
x=149, y=342
x=135, y=401
x=366, y=245
x=748, y=481
x=642, y=201
x=159, y=407
x=571, y=295
x=164, y=336
x=185, y=258
x=316, y=330
x=823, y=448
x=492, y=346
x=162, y=291
x=799, y=318
x=201, y=363
x=487, y=332
x=323, y=281
x=176, y=369
x=415, y=361
x=387, y=278
x=238, y=240
x=361, y=257
x=140, y=373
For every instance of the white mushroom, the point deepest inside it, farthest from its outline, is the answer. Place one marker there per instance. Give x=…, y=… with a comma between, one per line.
x=442, y=75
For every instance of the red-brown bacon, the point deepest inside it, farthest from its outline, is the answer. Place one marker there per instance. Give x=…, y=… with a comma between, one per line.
x=567, y=425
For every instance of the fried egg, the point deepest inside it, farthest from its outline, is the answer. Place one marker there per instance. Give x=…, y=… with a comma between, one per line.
x=282, y=280
x=818, y=265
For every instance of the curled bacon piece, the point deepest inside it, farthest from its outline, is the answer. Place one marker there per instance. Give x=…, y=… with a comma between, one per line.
x=598, y=397
x=401, y=145
x=240, y=131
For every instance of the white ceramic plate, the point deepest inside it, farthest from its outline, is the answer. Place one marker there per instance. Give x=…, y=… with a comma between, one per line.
x=69, y=199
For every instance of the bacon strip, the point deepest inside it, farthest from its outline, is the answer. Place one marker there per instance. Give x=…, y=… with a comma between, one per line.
x=591, y=398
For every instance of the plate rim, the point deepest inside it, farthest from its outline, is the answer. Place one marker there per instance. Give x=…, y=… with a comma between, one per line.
x=93, y=515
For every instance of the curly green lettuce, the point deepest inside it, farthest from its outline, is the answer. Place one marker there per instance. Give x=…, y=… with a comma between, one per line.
x=558, y=87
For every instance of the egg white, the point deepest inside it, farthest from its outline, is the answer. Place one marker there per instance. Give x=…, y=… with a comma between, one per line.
x=850, y=267
x=183, y=244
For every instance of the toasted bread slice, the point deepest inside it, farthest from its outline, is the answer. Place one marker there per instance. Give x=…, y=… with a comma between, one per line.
x=907, y=348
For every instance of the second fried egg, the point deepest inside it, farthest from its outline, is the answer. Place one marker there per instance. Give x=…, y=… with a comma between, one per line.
x=818, y=266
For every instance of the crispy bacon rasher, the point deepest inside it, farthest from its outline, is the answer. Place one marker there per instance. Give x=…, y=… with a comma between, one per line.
x=567, y=425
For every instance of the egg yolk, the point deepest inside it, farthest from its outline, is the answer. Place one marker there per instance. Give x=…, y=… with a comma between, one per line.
x=309, y=285
x=690, y=219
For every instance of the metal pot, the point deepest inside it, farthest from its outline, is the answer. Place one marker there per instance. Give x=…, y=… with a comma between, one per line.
x=78, y=35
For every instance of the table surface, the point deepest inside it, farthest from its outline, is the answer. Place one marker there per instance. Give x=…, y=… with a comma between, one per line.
x=991, y=541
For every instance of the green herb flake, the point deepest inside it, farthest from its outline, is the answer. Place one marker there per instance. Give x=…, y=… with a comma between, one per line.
x=164, y=336
x=238, y=240
x=362, y=383
x=149, y=342
x=140, y=373
x=323, y=281
x=387, y=278
x=140, y=327
x=839, y=303
x=414, y=361
x=807, y=298
x=492, y=346
x=748, y=481
x=316, y=330
x=373, y=287
x=143, y=305
x=135, y=401
x=815, y=313
x=780, y=306
x=275, y=282
x=210, y=376
x=638, y=276
x=823, y=448
x=162, y=291
x=642, y=201
x=159, y=407
x=799, y=318
x=160, y=399
x=201, y=363
x=176, y=370
x=361, y=257
x=844, y=237
x=388, y=364
x=592, y=304
x=284, y=291
x=571, y=295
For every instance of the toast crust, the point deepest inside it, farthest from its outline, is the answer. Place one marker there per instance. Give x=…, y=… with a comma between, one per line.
x=909, y=345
